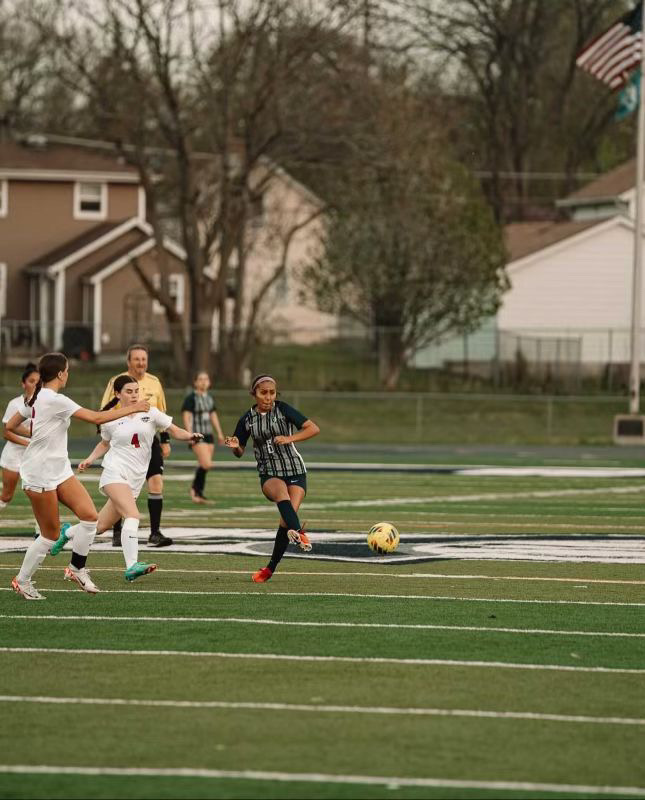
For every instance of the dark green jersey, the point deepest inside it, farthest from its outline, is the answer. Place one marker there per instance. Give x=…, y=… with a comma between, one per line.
x=271, y=458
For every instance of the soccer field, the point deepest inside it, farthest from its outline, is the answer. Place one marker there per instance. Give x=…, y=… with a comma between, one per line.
x=501, y=655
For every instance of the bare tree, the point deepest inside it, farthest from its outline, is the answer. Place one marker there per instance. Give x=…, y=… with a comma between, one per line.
x=525, y=107
x=194, y=95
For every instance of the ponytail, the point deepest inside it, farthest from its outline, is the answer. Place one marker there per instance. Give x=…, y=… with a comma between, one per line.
x=32, y=399
x=107, y=407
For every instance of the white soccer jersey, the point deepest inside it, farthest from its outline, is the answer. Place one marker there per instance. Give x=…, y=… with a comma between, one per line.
x=130, y=441
x=12, y=453
x=45, y=463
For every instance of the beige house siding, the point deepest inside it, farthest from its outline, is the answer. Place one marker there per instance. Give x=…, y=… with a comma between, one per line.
x=127, y=310
x=286, y=205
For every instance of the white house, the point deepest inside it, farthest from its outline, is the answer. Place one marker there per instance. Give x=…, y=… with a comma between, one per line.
x=571, y=283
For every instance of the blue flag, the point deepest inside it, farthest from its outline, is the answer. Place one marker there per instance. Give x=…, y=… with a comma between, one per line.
x=629, y=96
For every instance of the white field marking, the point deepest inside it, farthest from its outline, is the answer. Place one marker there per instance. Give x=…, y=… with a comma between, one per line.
x=412, y=662
x=263, y=596
x=285, y=573
x=326, y=709
x=450, y=498
x=391, y=782
x=308, y=624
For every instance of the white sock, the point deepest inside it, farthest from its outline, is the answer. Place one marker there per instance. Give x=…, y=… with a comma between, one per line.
x=3, y=505
x=83, y=534
x=34, y=557
x=130, y=540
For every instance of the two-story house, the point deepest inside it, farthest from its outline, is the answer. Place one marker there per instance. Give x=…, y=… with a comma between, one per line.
x=71, y=221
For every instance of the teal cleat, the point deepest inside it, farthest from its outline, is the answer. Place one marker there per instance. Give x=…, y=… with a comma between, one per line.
x=62, y=539
x=139, y=569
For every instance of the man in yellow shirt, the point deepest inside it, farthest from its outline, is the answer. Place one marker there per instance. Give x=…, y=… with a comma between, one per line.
x=150, y=389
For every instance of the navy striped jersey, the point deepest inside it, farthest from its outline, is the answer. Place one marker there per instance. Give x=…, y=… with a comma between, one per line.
x=273, y=459
x=200, y=406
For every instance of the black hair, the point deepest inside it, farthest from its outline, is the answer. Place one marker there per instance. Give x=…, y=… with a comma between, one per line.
x=199, y=372
x=263, y=376
x=49, y=366
x=29, y=369
x=119, y=382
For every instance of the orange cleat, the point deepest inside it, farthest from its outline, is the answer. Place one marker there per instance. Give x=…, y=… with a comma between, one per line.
x=262, y=575
x=301, y=539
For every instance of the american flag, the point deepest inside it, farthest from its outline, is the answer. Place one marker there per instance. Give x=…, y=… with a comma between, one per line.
x=611, y=56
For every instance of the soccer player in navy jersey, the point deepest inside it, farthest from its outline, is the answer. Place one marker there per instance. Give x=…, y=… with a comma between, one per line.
x=274, y=426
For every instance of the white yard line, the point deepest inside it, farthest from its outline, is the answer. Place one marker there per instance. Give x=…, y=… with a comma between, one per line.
x=264, y=595
x=309, y=624
x=414, y=662
x=451, y=498
x=429, y=575
x=315, y=777
x=325, y=709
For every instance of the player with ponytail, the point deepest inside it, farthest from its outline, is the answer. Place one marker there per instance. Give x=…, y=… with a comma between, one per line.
x=47, y=475
x=274, y=426
x=18, y=440
x=125, y=446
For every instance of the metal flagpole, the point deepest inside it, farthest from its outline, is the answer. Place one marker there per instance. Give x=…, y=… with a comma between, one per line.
x=637, y=278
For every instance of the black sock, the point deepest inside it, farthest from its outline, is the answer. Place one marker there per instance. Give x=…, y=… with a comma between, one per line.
x=200, y=480
x=281, y=542
x=155, y=504
x=117, y=526
x=289, y=515
x=78, y=561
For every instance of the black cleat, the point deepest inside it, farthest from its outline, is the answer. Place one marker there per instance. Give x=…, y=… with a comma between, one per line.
x=159, y=540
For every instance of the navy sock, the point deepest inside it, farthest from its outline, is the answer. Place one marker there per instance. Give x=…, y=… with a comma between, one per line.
x=289, y=515
x=155, y=504
x=281, y=542
x=200, y=480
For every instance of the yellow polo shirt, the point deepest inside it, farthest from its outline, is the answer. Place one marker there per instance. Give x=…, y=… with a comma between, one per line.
x=150, y=389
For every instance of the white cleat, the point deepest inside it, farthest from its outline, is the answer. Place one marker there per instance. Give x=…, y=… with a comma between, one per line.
x=81, y=577
x=27, y=589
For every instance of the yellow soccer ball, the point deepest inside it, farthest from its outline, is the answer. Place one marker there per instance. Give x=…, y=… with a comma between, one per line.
x=383, y=538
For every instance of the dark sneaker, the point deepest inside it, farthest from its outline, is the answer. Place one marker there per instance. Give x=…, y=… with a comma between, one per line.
x=159, y=540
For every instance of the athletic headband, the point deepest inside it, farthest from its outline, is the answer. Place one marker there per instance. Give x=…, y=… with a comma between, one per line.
x=259, y=379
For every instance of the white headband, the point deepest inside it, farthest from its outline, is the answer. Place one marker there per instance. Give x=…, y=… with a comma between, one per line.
x=260, y=379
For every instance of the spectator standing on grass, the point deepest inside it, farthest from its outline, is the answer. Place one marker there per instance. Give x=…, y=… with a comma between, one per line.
x=152, y=391
x=200, y=415
x=126, y=446
x=274, y=426
x=16, y=441
x=47, y=475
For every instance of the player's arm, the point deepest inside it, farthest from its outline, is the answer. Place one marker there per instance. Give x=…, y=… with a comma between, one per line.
x=101, y=417
x=307, y=428
x=19, y=436
x=14, y=424
x=100, y=450
x=188, y=420
x=237, y=442
x=183, y=435
x=217, y=427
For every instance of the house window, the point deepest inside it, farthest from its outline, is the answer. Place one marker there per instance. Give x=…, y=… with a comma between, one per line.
x=3, y=290
x=4, y=198
x=90, y=200
x=175, y=290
